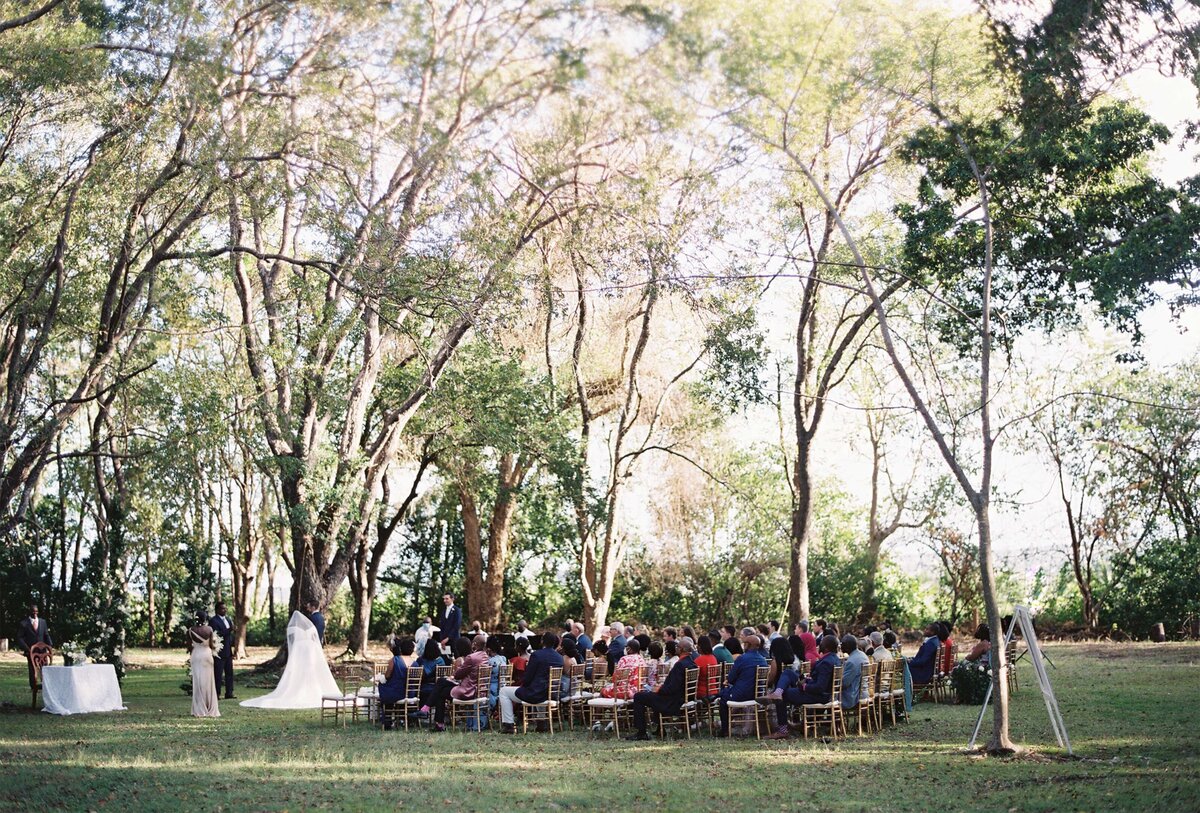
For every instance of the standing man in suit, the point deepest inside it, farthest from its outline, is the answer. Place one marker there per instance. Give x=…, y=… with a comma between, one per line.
x=450, y=621
x=33, y=630
x=536, y=684
x=223, y=657
x=668, y=698
x=318, y=620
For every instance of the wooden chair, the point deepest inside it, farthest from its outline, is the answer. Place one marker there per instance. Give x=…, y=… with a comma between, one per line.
x=815, y=715
x=599, y=676
x=575, y=700
x=923, y=690
x=406, y=705
x=1010, y=660
x=549, y=708
x=709, y=705
x=865, y=709
x=883, y=692
x=477, y=707
x=39, y=655
x=351, y=678
x=440, y=672
x=609, y=709
x=740, y=711
x=687, y=710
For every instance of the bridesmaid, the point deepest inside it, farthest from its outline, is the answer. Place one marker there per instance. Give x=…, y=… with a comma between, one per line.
x=204, y=681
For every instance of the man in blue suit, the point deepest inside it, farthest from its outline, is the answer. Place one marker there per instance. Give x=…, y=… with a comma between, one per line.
x=536, y=684
x=318, y=621
x=921, y=665
x=742, y=675
x=222, y=626
x=450, y=621
x=818, y=688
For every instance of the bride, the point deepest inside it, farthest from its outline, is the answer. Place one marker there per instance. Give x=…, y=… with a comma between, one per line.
x=306, y=677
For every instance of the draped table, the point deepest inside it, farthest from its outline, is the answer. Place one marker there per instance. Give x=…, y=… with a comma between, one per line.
x=81, y=689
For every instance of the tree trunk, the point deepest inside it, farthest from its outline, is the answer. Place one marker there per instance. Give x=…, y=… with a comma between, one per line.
x=999, y=742
x=798, y=597
x=150, y=599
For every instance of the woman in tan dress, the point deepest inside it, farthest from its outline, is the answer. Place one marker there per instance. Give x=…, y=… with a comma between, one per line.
x=204, y=680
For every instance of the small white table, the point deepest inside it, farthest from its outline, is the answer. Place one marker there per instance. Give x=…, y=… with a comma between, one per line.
x=81, y=689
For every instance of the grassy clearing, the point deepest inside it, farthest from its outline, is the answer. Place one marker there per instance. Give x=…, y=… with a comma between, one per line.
x=1133, y=714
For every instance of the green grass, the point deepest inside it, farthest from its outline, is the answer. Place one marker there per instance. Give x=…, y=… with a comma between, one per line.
x=1133, y=715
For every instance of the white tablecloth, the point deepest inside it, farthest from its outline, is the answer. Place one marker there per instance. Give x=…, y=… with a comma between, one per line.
x=81, y=689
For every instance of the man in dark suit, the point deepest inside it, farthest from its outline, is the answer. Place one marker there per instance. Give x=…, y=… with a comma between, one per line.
x=536, y=684
x=223, y=657
x=33, y=630
x=921, y=665
x=616, y=646
x=818, y=688
x=314, y=615
x=668, y=699
x=450, y=621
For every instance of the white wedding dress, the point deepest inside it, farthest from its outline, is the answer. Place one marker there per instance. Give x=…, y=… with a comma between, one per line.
x=306, y=677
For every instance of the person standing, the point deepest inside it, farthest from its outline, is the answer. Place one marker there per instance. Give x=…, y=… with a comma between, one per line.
x=450, y=621
x=222, y=626
x=203, y=664
x=318, y=620
x=33, y=630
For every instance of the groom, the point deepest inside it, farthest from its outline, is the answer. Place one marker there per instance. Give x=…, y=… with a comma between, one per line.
x=223, y=658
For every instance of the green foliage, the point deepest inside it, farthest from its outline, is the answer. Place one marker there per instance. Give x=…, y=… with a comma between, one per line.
x=1164, y=586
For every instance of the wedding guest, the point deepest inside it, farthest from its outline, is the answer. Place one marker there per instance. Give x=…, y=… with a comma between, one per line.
x=982, y=651
x=391, y=691
x=668, y=699
x=471, y=655
x=810, y=643
x=633, y=661
x=428, y=663
x=519, y=662
x=537, y=682
x=616, y=645
x=706, y=662
x=742, y=677
x=921, y=665
x=852, y=668
x=944, y=632
x=201, y=659
x=570, y=654
x=818, y=688
x=879, y=652
x=655, y=664
x=582, y=640
x=450, y=621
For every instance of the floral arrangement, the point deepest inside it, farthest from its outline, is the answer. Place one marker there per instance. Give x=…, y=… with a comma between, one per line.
x=73, y=654
x=217, y=642
x=970, y=681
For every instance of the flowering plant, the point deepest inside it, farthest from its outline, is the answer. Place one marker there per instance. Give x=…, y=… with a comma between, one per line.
x=73, y=654
x=970, y=681
x=216, y=642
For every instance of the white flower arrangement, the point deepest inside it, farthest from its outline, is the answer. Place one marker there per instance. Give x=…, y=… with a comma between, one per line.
x=73, y=654
x=216, y=642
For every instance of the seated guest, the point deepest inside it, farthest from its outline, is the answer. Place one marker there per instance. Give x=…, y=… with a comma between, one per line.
x=670, y=654
x=765, y=633
x=688, y=632
x=428, y=663
x=706, y=662
x=497, y=660
x=616, y=645
x=889, y=641
x=921, y=665
x=773, y=631
x=982, y=651
x=570, y=658
x=852, y=669
x=633, y=661
x=523, y=630
x=536, y=687
x=522, y=658
x=583, y=641
x=820, y=629
x=669, y=634
x=818, y=688
x=782, y=660
x=729, y=631
x=797, y=651
x=734, y=647
x=668, y=699
x=462, y=685
x=599, y=653
x=879, y=652
x=719, y=650
x=810, y=642
x=643, y=641
x=740, y=682
x=654, y=661
x=391, y=691
x=947, y=642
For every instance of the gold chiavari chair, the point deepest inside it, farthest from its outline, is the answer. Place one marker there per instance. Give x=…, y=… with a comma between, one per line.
x=603, y=710
x=476, y=707
x=548, y=709
x=741, y=711
x=815, y=715
x=687, y=710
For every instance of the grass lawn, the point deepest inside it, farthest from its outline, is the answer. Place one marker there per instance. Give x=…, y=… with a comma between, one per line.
x=1132, y=712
